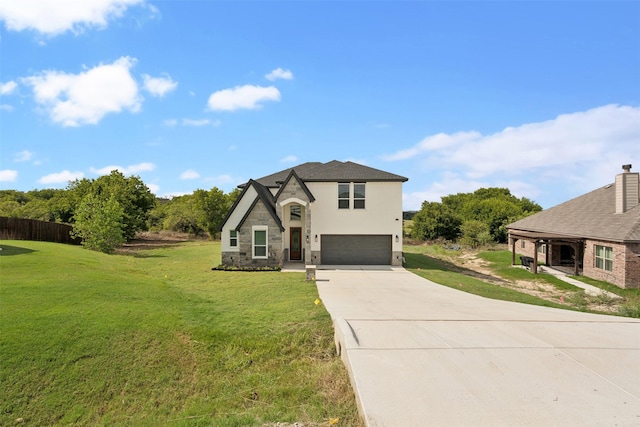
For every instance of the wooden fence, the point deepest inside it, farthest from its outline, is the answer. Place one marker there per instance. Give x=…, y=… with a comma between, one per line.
x=31, y=229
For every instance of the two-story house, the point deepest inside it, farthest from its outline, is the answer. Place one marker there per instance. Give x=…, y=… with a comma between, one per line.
x=335, y=213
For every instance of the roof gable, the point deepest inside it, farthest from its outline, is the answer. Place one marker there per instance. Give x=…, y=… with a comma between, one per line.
x=303, y=186
x=263, y=195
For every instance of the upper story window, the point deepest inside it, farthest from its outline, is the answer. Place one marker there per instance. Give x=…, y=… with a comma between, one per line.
x=295, y=213
x=358, y=196
x=344, y=195
x=233, y=238
x=604, y=258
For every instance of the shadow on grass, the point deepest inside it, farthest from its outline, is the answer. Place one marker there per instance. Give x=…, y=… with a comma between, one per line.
x=426, y=262
x=8, y=250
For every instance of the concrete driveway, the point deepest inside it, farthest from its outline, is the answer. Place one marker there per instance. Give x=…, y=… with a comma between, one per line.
x=421, y=354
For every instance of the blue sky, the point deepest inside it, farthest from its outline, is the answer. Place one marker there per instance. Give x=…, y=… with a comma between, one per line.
x=541, y=97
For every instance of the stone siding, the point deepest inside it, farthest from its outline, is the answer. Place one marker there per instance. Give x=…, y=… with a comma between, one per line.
x=244, y=256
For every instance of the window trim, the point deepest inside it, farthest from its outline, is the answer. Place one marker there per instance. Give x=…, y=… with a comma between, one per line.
x=233, y=238
x=359, y=199
x=253, y=242
x=343, y=199
x=601, y=262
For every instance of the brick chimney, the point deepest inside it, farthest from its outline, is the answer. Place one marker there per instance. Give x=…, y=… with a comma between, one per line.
x=627, y=189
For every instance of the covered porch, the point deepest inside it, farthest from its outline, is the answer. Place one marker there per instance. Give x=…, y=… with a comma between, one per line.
x=561, y=251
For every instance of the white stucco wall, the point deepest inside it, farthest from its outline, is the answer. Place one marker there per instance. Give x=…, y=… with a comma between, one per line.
x=382, y=213
x=235, y=218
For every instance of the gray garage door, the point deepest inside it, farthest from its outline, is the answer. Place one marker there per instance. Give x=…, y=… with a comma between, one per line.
x=355, y=249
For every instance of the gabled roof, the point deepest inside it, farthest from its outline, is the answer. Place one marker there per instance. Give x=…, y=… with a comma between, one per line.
x=591, y=215
x=294, y=175
x=264, y=195
x=334, y=171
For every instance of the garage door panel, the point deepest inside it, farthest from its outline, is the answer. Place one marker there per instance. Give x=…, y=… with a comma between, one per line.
x=341, y=249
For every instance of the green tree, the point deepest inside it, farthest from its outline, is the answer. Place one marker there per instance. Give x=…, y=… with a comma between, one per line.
x=474, y=233
x=98, y=222
x=131, y=193
x=495, y=207
x=434, y=221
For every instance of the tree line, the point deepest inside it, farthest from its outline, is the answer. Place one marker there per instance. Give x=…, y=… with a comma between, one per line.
x=110, y=210
x=472, y=219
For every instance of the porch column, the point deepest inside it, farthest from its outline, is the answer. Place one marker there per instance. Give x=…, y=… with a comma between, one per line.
x=577, y=256
x=513, y=251
x=535, y=257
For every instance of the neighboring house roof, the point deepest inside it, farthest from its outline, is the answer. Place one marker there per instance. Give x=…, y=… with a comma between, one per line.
x=591, y=215
x=334, y=171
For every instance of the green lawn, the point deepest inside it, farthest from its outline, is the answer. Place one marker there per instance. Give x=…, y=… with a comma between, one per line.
x=447, y=267
x=160, y=339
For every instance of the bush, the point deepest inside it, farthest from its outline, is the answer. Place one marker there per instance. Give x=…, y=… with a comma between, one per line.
x=98, y=223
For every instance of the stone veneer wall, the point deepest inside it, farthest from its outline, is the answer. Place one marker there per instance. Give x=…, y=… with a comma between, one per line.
x=293, y=189
x=244, y=257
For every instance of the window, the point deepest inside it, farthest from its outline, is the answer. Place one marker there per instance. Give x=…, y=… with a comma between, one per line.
x=233, y=238
x=542, y=249
x=522, y=244
x=604, y=258
x=296, y=213
x=260, y=242
x=343, y=195
x=358, y=196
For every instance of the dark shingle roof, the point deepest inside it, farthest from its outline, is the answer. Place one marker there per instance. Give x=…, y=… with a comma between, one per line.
x=591, y=215
x=333, y=171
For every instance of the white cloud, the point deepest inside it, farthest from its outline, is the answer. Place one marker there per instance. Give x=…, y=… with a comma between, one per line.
x=289, y=159
x=8, y=175
x=189, y=174
x=6, y=107
x=242, y=97
x=279, y=73
x=23, y=156
x=195, y=122
x=154, y=188
x=129, y=170
x=61, y=177
x=170, y=122
x=56, y=17
x=8, y=88
x=158, y=86
x=85, y=98
x=553, y=160
x=587, y=137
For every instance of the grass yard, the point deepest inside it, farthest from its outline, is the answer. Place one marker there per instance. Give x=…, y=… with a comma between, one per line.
x=496, y=278
x=157, y=338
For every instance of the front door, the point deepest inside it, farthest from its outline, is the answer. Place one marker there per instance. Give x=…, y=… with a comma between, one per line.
x=295, y=244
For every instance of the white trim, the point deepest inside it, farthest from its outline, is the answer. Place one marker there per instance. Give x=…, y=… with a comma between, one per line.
x=253, y=241
x=293, y=200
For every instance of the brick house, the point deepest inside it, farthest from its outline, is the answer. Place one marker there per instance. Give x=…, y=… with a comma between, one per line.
x=332, y=213
x=596, y=235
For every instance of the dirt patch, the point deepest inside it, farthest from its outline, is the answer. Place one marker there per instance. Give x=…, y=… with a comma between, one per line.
x=153, y=240
x=479, y=268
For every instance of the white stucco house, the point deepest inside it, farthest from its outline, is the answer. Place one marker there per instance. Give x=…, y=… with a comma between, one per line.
x=335, y=213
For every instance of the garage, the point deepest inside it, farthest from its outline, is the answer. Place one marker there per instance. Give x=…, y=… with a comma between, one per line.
x=343, y=249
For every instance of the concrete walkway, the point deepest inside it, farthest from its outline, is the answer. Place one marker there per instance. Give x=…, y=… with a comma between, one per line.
x=420, y=354
x=588, y=289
